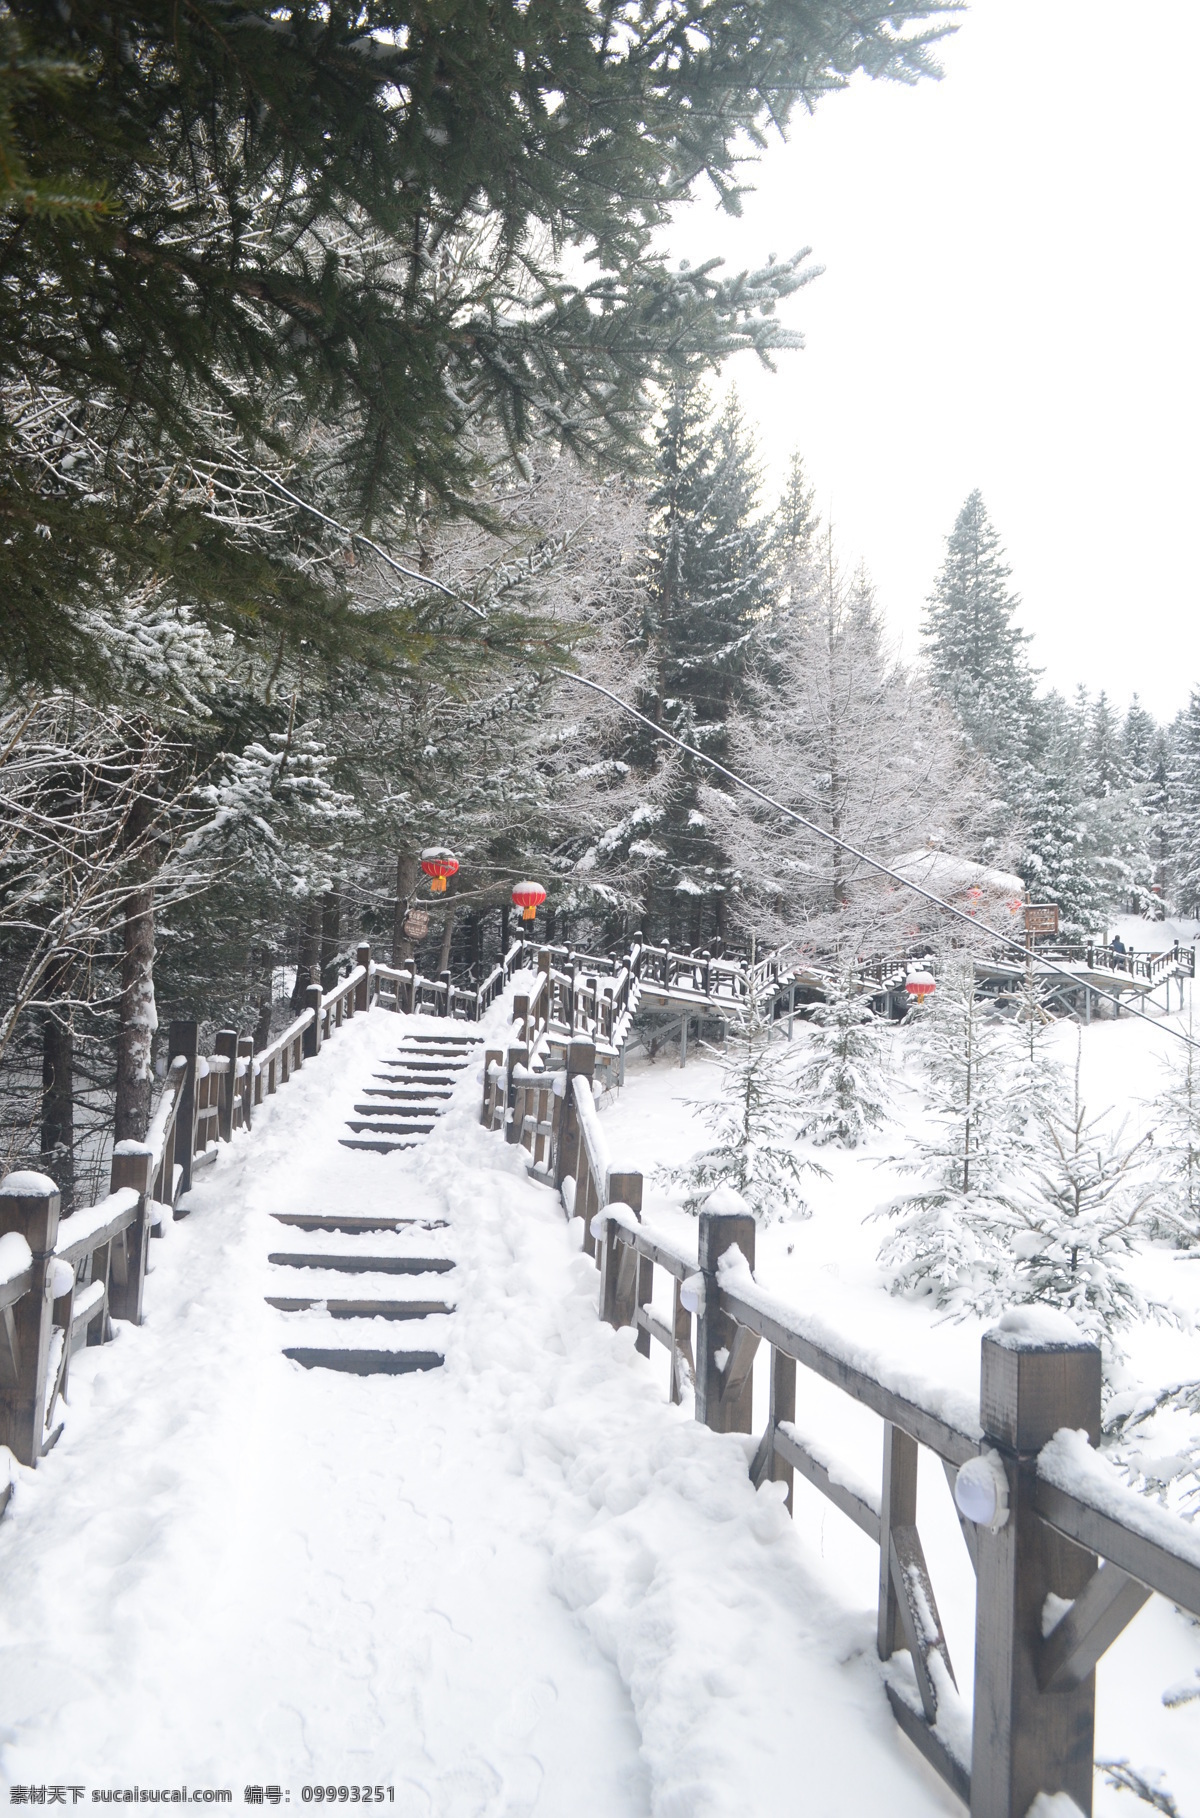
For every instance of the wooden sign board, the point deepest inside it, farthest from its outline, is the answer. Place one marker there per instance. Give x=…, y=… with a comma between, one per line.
x=416, y=924
x=1041, y=918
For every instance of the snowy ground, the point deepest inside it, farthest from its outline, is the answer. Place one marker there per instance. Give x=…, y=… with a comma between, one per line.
x=827, y=1264
x=520, y=1584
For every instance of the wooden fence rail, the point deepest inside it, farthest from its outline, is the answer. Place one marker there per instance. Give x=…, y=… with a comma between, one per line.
x=1043, y=1515
x=62, y=1283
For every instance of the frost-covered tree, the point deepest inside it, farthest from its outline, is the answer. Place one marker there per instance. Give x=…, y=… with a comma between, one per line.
x=949, y=1238
x=1185, y=807
x=1175, y=1210
x=975, y=652
x=1076, y=1216
x=710, y=583
x=833, y=726
x=842, y=1087
x=754, y=1122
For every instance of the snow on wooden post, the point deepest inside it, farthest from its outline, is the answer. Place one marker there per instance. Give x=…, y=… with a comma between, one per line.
x=362, y=992
x=312, y=1035
x=29, y=1206
x=518, y=1057
x=133, y=1166
x=185, y=1040
x=716, y=1333
x=1037, y=1377
x=581, y=1062
x=226, y=1045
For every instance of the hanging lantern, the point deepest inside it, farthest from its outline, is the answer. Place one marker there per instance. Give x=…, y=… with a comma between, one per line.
x=438, y=863
x=1015, y=905
x=920, y=985
x=974, y=897
x=527, y=896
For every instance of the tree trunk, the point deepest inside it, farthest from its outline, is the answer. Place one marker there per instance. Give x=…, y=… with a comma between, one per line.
x=308, y=954
x=139, y=1019
x=58, y=1099
x=407, y=875
x=262, y=1029
x=447, y=937
x=505, y=913
x=331, y=934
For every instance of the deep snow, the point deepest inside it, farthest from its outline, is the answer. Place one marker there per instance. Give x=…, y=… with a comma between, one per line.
x=523, y=1583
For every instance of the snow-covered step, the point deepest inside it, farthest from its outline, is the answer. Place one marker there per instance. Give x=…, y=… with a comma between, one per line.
x=362, y=1265
x=359, y=1309
x=414, y=1241
x=356, y=1222
x=419, y=1110
x=378, y=1145
x=364, y=1362
x=416, y=1095
x=386, y=1126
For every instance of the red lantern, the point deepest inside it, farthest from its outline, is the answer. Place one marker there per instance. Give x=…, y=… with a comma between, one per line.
x=527, y=897
x=920, y=985
x=1015, y=905
x=438, y=863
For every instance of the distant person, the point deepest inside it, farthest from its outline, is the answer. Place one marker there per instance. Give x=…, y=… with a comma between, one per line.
x=1119, y=950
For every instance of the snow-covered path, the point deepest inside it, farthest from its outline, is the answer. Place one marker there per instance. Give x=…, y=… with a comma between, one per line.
x=522, y=1583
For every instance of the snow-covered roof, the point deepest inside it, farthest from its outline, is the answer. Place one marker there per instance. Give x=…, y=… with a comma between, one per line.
x=953, y=877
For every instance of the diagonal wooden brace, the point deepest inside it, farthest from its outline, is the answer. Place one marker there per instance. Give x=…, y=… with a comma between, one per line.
x=918, y=1612
x=1107, y=1604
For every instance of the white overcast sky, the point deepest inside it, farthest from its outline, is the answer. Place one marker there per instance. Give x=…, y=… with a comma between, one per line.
x=1009, y=302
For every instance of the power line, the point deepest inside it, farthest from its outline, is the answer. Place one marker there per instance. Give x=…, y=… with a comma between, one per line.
x=865, y=858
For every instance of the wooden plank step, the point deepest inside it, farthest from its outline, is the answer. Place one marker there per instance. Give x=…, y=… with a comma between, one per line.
x=386, y=1127
x=378, y=1145
x=423, y=1110
x=356, y=1221
x=359, y=1309
x=364, y=1265
x=421, y=1095
x=365, y=1363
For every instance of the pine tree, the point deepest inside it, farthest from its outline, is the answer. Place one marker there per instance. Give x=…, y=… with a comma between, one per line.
x=949, y=1239
x=1185, y=807
x=710, y=586
x=976, y=655
x=319, y=212
x=1103, y=753
x=1137, y=742
x=842, y=1089
x=1057, y=863
x=1076, y=1218
x=754, y=1122
x=1176, y=1212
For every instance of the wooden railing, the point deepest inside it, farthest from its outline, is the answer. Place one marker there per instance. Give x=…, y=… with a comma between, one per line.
x=62, y=1283
x=1038, y=1507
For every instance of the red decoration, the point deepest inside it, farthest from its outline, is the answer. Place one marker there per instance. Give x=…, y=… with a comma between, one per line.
x=920, y=985
x=527, y=896
x=438, y=863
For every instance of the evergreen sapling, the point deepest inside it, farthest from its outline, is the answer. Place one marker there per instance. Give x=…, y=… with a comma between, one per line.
x=841, y=1088
x=754, y=1122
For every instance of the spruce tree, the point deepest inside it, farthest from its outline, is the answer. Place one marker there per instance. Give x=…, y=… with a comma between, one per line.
x=754, y=1121
x=1076, y=1218
x=841, y=1090
x=975, y=653
x=279, y=215
x=1137, y=742
x=949, y=1237
x=710, y=583
x=1176, y=1126
x=1185, y=807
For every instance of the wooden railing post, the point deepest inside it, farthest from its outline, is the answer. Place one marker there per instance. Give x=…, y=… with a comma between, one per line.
x=185, y=1041
x=29, y=1204
x=132, y=1166
x=245, y=1054
x=226, y=1044
x=581, y=1062
x=1027, y=1741
x=518, y=1056
x=362, y=992
x=715, y=1331
x=312, y=1035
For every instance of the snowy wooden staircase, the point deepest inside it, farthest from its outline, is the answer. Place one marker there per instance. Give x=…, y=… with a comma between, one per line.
x=338, y=1268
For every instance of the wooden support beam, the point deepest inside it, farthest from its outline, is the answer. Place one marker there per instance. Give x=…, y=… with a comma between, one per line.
x=717, y=1331
x=897, y=1508
x=226, y=1045
x=34, y=1214
x=184, y=1039
x=1029, y=1741
x=918, y=1612
x=1107, y=1604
